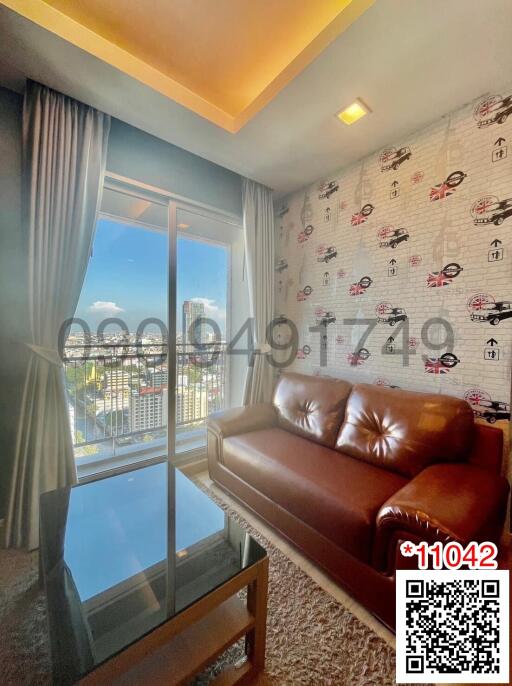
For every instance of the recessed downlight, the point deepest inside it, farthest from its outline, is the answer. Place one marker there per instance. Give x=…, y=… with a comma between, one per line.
x=183, y=226
x=353, y=112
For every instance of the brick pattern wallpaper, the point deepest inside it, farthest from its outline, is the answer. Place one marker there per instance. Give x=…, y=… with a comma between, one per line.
x=416, y=241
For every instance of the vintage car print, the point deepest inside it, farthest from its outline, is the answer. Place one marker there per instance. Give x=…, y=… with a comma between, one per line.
x=394, y=239
x=392, y=316
x=493, y=110
x=392, y=159
x=492, y=312
x=329, y=254
x=327, y=189
x=491, y=410
x=281, y=266
x=491, y=210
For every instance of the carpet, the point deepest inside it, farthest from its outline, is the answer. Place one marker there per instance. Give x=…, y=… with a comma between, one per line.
x=312, y=640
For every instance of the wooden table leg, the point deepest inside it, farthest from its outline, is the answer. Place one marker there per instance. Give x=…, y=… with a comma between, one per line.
x=257, y=605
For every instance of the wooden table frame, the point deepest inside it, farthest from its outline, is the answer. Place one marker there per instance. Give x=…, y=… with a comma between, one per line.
x=182, y=647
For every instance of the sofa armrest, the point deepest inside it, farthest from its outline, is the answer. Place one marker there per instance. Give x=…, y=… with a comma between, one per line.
x=240, y=420
x=445, y=502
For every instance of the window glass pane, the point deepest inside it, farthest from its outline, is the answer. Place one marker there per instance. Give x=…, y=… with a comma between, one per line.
x=202, y=276
x=116, y=379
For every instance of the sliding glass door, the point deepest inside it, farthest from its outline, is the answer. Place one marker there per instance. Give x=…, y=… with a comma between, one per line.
x=209, y=257
x=146, y=360
x=115, y=357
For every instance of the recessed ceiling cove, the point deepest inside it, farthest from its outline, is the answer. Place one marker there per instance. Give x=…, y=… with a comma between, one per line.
x=224, y=60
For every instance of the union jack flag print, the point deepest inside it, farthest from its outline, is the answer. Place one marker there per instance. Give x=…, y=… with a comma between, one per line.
x=354, y=359
x=484, y=204
x=433, y=365
x=358, y=219
x=479, y=301
x=356, y=289
x=475, y=395
x=441, y=191
x=438, y=279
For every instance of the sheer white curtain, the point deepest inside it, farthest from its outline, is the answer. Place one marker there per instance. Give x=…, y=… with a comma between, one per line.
x=64, y=154
x=258, y=215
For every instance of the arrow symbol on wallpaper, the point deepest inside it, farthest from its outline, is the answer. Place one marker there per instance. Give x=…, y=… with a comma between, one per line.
x=499, y=142
x=393, y=261
x=492, y=342
x=495, y=243
x=395, y=183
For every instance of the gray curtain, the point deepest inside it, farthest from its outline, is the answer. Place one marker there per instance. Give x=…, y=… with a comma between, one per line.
x=258, y=215
x=64, y=154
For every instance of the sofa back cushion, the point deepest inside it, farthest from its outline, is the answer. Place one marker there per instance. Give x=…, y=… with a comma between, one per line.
x=404, y=431
x=311, y=406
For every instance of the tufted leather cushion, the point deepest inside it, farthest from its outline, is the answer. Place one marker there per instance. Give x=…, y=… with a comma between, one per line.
x=311, y=406
x=334, y=494
x=405, y=431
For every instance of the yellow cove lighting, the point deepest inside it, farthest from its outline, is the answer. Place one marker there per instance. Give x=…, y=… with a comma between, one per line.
x=353, y=112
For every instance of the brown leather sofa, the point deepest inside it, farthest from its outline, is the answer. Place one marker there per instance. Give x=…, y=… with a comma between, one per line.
x=349, y=472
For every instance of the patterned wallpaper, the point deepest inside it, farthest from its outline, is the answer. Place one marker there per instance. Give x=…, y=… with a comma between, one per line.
x=416, y=241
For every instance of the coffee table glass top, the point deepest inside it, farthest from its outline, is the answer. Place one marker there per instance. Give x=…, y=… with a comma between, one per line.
x=122, y=555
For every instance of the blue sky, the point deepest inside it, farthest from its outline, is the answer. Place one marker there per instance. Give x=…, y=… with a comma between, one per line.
x=127, y=276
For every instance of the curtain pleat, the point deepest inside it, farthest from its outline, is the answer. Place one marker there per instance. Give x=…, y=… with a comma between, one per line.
x=64, y=156
x=258, y=216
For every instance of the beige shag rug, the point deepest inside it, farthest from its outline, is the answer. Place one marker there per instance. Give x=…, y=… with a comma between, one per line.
x=312, y=640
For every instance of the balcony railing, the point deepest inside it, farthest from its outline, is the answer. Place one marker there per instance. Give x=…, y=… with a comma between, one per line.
x=118, y=393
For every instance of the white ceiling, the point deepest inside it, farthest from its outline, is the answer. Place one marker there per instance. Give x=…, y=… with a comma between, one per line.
x=410, y=60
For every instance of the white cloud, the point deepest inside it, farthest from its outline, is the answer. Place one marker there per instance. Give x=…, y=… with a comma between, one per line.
x=211, y=309
x=105, y=307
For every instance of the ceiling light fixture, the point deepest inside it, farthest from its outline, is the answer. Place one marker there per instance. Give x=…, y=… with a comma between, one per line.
x=353, y=112
x=183, y=226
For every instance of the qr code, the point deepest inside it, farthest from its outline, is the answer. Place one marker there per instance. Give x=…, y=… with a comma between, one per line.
x=452, y=626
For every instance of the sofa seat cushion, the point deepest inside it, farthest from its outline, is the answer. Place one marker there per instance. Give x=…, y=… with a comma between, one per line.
x=335, y=494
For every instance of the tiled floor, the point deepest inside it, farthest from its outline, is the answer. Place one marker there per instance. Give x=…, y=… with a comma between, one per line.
x=303, y=563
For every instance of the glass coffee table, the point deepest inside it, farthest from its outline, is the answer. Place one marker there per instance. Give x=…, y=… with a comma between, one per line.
x=142, y=572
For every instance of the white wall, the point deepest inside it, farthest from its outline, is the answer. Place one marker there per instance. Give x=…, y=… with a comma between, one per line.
x=441, y=230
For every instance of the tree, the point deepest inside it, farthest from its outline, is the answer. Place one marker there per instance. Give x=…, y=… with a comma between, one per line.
x=82, y=447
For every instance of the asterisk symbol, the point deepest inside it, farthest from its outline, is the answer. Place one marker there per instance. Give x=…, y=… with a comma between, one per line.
x=407, y=549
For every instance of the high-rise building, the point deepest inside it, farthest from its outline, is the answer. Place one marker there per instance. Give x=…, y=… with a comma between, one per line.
x=149, y=408
x=158, y=376
x=116, y=378
x=191, y=311
x=191, y=404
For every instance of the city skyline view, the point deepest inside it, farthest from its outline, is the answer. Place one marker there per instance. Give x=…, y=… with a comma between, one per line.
x=118, y=395
x=127, y=277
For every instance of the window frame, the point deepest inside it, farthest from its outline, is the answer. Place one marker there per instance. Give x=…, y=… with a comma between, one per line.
x=88, y=468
